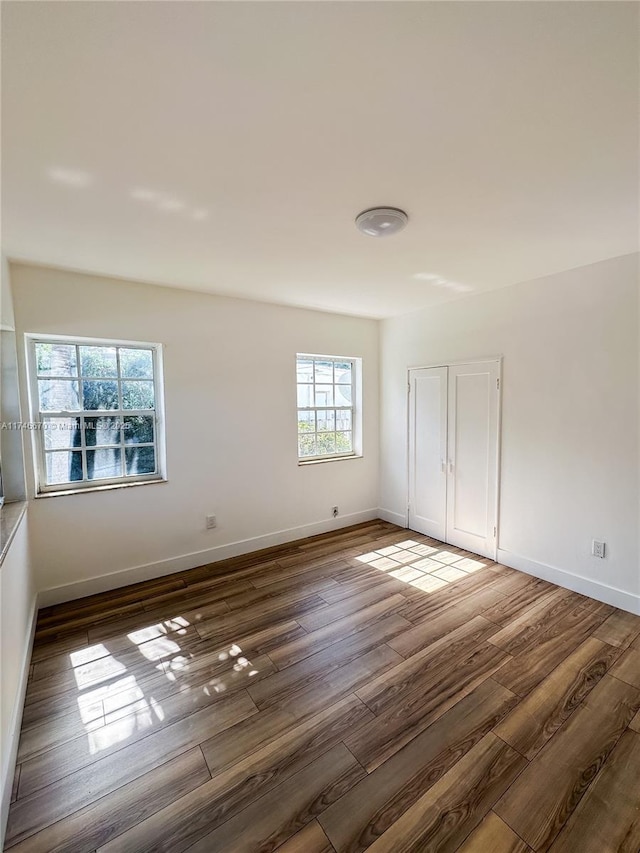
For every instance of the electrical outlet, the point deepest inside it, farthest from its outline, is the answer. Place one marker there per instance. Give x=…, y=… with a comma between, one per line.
x=597, y=548
x=334, y=510
x=210, y=521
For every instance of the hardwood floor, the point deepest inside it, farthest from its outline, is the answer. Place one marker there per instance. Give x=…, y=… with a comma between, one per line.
x=369, y=689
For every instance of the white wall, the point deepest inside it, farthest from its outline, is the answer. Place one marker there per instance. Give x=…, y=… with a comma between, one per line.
x=17, y=586
x=17, y=621
x=570, y=417
x=229, y=369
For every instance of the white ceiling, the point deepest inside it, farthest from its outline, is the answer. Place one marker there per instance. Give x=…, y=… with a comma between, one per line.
x=228, y=147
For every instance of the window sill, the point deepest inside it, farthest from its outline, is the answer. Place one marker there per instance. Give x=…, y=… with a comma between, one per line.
x=10, y=517
x=304, y=462
x=105, y=488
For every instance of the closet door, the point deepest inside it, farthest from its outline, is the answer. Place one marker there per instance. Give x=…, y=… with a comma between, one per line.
x=428, y=451
x=472, y=457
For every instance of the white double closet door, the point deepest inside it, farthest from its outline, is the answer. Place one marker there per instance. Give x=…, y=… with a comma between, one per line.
x=453, y=454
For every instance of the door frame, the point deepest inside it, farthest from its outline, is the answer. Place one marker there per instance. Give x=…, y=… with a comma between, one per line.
x=456, y=363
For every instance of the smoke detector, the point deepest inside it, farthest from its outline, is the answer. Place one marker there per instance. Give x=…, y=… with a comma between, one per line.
x=381, y=221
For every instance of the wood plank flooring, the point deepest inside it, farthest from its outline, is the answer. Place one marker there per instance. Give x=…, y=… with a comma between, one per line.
x=369, y=689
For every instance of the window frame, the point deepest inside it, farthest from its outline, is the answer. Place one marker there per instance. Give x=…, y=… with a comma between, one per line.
x=38, y=417
x=354, y=408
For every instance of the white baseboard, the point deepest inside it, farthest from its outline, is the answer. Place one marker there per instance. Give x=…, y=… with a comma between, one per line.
x=392, y=517
x=600, y=591
x=11, y=752
x=103, y=583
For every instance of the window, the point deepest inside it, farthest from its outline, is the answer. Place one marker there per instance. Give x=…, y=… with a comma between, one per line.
x=326, y=407
x=96, y=409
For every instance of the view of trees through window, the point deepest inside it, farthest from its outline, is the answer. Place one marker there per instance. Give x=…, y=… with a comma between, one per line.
x=325, y=406
x=96, y=412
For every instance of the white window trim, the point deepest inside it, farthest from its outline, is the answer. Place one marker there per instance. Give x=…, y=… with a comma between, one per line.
x=37, y=434
x=356, y=409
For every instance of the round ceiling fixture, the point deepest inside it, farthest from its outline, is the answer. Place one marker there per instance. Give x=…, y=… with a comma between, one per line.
x=381, y=221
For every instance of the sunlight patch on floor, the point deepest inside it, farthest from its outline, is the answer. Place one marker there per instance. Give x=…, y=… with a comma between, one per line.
x=91, y=710
x=177, y=625
x=112, y=704
x=114, y=712
x=103, y=669
x=187, y=664
x=406, y=573
x=161, y=648
x=426, y=564
x=121, y=729
x=232, y=652
x=449, y=574
x=429, y=583
x=423, y=566
x=91, y=653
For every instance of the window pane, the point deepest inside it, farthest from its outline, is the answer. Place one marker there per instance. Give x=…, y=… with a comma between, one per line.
x=324, y=395
x=304, y=370
x=306, y=445
x=140, y=460
x=100, y=431
x=343, y=372
x=343, y=395
x=138, y=395
x=327, y=421
x=138, y=429
x=64, y=467
x=56, y=360
x=58, y=395
x=344, y=442
x=104, y=463
x=99, y=394
x=306, y=422
x=60, y=433
x=305, y=395
x=324, y=371
x=136, y=363
x=98, y=361
x=343, y=419
x=326, y=443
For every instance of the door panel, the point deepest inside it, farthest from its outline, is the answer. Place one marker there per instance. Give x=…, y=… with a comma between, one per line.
x=428, y=451
x=472, y=457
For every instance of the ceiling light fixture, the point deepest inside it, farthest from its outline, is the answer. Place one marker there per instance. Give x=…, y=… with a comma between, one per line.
x=381, y=221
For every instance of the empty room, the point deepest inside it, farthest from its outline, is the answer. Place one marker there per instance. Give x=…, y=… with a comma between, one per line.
x=320, y=427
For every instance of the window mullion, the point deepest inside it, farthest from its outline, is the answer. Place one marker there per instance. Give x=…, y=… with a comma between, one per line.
x=123, y=467
x=80, y=388
x=83, y=453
